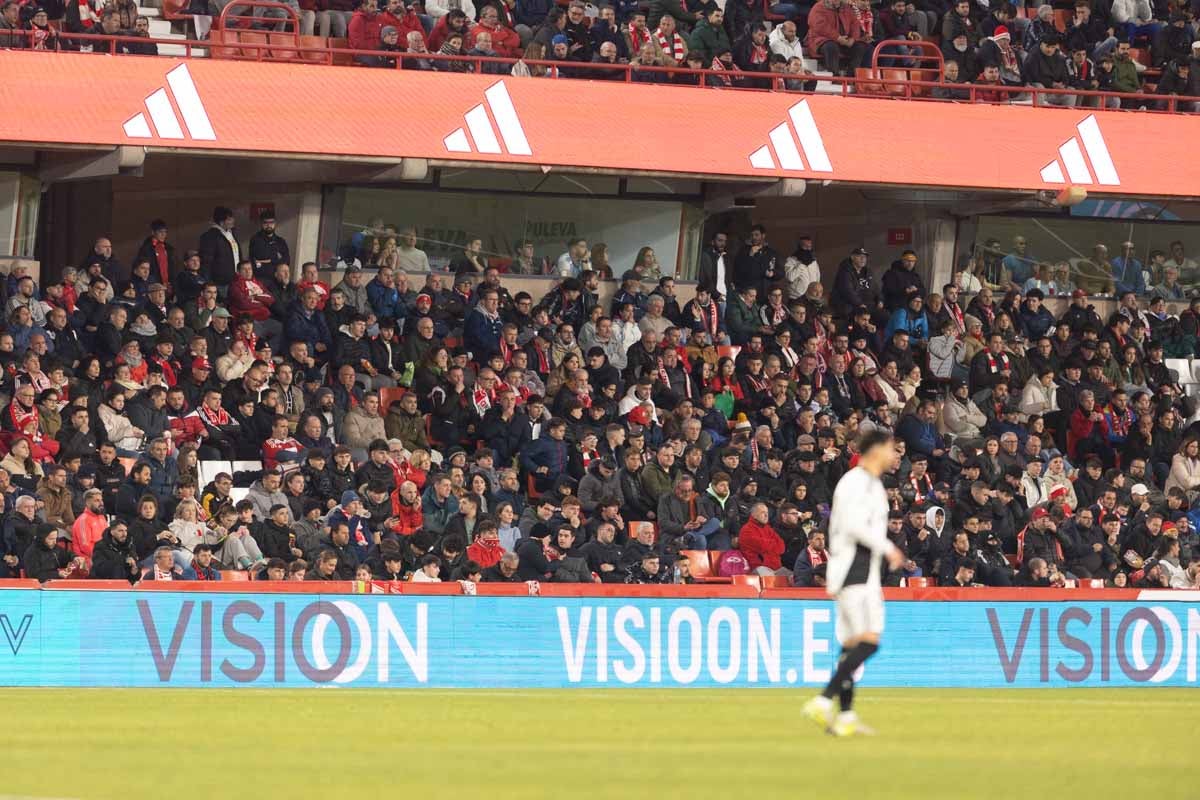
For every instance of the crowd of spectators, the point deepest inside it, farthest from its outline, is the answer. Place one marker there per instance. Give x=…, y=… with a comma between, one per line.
x=417, y=425
x=990, y=46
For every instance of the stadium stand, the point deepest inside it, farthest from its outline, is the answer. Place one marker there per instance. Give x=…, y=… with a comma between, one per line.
x=345, y=428
x=1130, y=54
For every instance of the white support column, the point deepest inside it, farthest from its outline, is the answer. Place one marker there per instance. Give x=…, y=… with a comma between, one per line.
x=308, y=230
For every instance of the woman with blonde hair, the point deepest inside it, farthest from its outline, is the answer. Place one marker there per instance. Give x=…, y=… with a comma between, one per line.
x=646, y=265
x=534, y=51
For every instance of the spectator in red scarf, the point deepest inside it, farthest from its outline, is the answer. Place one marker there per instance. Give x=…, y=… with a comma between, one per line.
x=159, y=253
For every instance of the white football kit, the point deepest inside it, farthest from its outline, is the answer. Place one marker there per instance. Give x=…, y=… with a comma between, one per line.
x=857, y=543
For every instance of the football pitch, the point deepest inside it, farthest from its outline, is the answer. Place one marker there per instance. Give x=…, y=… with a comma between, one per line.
x=128, y=744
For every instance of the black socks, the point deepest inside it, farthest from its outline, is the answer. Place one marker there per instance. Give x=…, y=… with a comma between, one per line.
x=842, y=682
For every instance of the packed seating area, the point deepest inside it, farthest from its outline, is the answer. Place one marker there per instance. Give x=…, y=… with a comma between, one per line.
x=1131, y=54
x=206, y=410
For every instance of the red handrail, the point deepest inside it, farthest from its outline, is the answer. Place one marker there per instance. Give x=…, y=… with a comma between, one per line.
x=705, y=78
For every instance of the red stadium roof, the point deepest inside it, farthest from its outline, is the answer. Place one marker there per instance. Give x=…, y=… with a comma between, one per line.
x=199, y=105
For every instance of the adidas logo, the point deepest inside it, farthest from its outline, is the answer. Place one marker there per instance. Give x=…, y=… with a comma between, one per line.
x=483, y=135
x=1071, y=156
x=784, y=142
x=163, y=113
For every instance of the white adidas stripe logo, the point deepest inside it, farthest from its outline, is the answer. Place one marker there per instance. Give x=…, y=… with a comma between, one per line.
x=162, y=114
x=1072, y=157
x=784, y=141
x=496, y=100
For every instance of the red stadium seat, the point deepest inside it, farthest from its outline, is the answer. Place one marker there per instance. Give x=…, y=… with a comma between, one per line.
x=314, y=47
x=127, y=463
x=698, y=563
x=633, y=526
x=776, y=582
x=341, y=59
x=389, y=395
x=918, y=583
x=234, y=575
x=221, y=36
x=256, y=45
x=284, y=46
x=747, y=580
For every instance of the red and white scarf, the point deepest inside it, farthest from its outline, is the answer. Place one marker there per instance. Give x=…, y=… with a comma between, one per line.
x=992, y=365
x=216, y=418
x=672, y=47
x=24, y=421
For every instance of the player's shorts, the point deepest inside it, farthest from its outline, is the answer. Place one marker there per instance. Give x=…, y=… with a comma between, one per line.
x=859, y=611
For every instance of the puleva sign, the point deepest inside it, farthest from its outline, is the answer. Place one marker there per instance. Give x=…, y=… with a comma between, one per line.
x=179, y=639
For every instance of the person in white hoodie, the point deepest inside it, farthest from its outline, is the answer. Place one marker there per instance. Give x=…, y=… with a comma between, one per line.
x=1040, y=395
x=1136, y=16
x=801, y=269
x=1033, y=484
x=960, y=416
x=785, y=42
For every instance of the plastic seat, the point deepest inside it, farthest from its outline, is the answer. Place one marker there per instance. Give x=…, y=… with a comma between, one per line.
x=313, y=48
x=234, y=575
x=728, y=350
x=918, y=583
x=771, y=15
x=866, y=78
x=206, y=471
x=1062, y=19
x=127, y=463
x=238, y=493
x=254, y=45
x=747, y=580
x=389, y=395
x=776, y=582
x=898, y=81
x=634, y=526
x=927, y=75
x=284, y=46
x=698, y=563
x=340, y=59
x=220, y=36
x=531, y=488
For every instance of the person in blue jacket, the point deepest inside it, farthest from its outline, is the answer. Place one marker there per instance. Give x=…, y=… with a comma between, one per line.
x=1035, y=319
x=911, y=319
x=307, y=324
x=546, y=457
x=383, y=296
x=483, y=327
x=919, y=432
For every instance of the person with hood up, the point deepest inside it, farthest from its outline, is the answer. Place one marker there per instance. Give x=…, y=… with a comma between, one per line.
x=929, y=538
x=113, y=557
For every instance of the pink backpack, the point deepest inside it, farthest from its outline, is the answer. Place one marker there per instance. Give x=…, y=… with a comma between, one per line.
x=731, y=563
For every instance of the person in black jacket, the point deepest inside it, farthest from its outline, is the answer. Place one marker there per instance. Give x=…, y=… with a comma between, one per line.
x=266, y=248
x=604, y=557
x=274, y=536
x=1047, y=69
x=534, y=566
x=218, y=248
x=17, y=532
x=41, y=559
x=854, y=286
x=902, y=281
x=505, y=571
x=129, y=495
x=113, y=557
x=160, y=253
x=757, y=265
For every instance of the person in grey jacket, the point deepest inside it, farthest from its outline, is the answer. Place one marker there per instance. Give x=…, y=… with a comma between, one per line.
x=265, y=492
x=354, y=286
x=601, y=481
x=680, y=520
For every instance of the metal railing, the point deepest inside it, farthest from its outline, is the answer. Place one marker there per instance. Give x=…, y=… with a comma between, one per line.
x=289, y=47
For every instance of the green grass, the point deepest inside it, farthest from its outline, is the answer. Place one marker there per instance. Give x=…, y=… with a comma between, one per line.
x=114, y=744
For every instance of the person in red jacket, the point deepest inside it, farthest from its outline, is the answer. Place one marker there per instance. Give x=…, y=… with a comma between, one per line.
x=487, y=550
x=366, y=29
x=403, y=18
x=248, y=296
x=90, y=525
x=1088, y=432
x=406, y=509
x=836, y=37
x=505, y=41
x=759, y=542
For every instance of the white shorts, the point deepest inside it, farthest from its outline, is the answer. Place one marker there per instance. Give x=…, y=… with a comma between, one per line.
x=859, y=611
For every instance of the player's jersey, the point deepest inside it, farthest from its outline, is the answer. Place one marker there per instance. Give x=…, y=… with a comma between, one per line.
x=857, y=531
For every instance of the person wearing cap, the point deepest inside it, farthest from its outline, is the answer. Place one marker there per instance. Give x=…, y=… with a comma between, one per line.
x=1042, y=540
x=901, y=282
x=266, y=248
